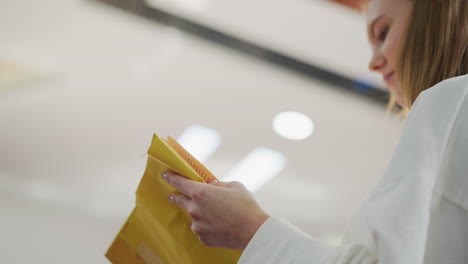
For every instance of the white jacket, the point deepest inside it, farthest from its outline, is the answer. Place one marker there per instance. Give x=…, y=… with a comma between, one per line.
x=418, y=212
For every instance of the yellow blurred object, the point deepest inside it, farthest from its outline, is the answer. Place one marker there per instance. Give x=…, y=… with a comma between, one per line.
x=12, y=75
x=157, y=231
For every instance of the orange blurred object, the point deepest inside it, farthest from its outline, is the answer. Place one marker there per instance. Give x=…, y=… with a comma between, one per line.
x=355, y=4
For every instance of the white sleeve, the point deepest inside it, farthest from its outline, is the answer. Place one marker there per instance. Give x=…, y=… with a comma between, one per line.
x=278, y=242
x=447, y=239
x=447, y=231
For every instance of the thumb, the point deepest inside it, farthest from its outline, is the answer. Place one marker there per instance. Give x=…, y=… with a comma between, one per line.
x=216, y=183
x=231, y=184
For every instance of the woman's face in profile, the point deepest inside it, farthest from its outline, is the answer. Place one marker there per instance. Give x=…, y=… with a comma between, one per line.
x=386, y=21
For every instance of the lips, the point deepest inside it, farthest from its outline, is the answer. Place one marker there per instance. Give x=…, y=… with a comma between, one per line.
x=388, y=76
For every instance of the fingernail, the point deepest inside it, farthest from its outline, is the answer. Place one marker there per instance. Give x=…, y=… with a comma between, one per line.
x=171, y=199
x=164, y=175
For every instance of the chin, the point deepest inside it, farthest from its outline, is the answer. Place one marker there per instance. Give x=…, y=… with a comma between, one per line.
x=401, y=102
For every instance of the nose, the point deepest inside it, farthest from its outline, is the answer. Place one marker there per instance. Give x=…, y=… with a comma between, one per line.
x=377, y=62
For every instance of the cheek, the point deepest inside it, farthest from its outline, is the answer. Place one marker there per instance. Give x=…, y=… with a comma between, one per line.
x=392, y=42
x=390, y=48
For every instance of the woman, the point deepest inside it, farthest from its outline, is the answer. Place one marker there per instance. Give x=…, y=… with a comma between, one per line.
x=418, y=213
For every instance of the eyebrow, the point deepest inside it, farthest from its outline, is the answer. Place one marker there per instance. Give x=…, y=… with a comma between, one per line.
x=371, y=28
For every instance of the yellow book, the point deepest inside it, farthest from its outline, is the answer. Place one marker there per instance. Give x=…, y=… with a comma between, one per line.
x=157, y=231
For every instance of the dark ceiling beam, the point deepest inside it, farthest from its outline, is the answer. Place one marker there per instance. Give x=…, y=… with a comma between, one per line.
x=139, y=7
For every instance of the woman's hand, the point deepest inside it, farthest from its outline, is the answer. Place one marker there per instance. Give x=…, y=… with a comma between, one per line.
x=225, y=214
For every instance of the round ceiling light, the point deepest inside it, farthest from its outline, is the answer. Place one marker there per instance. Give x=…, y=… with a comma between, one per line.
x=293, y=125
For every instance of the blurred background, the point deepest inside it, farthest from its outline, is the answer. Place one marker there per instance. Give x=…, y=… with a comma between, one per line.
x=275, y=94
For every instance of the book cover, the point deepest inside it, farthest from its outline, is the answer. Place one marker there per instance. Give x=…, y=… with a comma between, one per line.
x=157, y=231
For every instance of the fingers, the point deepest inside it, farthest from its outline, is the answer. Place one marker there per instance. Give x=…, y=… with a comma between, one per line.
x=187, y=204
x=204, y=233
x=181, y=200
x=231, y=184
x=224, y=214
x=216, y=183
x=195, y=189
x=184, y=185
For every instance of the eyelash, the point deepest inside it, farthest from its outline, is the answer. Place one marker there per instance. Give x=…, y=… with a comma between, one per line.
x=383, y=34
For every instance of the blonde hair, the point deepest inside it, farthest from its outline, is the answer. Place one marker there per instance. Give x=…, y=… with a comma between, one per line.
x=434, y=47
